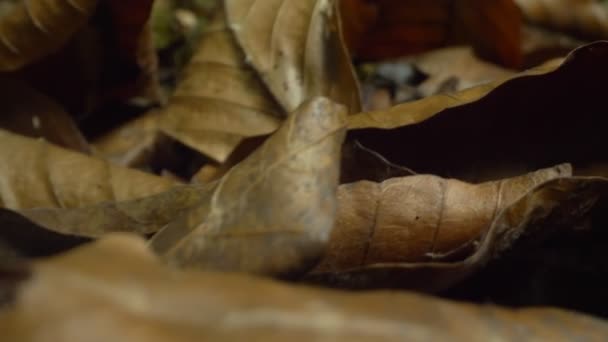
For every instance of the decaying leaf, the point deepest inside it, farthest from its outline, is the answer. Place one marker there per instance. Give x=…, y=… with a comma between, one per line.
x=416, y=219
x=116, y=290
x=37, y=174
x=234, y=83
x=300, y=161
x=487, y=133
x=301, y=54
x=436, y=257
x=417, y=111
x=273, y=212
x=220, y=99
x=99, y=62
x=145, y=215
x=33, y=29
x=589, y=17
x=27, y=112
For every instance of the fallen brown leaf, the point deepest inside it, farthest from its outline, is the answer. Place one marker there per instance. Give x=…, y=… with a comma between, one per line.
x=235, y=82
x=417, y=111
x=302, y=55
x=36, y=174
x=220, y=99
x=117, y=290
x=492, y=132
x=30, y=30
x=240, y=213
x=418, y=219
x=550, y=208
x=273, y=212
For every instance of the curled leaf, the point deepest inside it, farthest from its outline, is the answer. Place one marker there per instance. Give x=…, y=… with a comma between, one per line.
x=296, y=47
x=418, y=218
x=406, y=248
x=414, y=112
x=35, y=174
x=220, y=99
x=229, y=91
x=488, y=132
x=32, y=29
x=273, y=212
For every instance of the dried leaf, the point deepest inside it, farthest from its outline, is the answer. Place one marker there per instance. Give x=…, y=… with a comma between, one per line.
x=555, y=206
x=589, y=17
x=417, y=111
x=418, y=219
x=116, y=290
x=33, y=29
x=490, y=132
x=145, y=215
x=297, y=49
x=225, y=94
x=273, y=212
x=303, y=156
x=220, y=99
x=103, y=61
x=35, y=174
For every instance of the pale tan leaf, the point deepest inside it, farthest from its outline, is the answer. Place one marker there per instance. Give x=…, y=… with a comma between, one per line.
x=226, y=95
x=116, y=290
x=296, y=46
x=218, y=102
x=220, y=99
x=77, y=195
x=35, y=28
x=34, y=173
x=263, y=201
x=273, y=212
x=145, y=215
